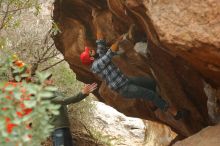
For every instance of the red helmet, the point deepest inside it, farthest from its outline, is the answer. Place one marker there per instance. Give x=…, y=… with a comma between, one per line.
x=85, y=57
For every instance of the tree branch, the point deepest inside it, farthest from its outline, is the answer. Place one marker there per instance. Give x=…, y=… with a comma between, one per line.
x=4, y=17
x=52, y=65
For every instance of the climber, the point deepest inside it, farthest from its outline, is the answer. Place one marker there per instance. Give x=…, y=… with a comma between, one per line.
x=129, y=87
x=61, y=134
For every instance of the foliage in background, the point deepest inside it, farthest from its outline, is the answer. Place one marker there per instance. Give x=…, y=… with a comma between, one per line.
x=26, y=31
x=9, y=18
x=9, y=8
x=31, y=39
x=24, y=103
x=20, y=33
x=65, y=79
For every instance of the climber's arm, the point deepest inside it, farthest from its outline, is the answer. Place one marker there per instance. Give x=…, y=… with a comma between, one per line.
x=99, y=34
x=100, y=63
x=101, y=43
x=62, y=99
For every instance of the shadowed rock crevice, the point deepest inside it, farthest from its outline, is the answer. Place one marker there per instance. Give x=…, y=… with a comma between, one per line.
x=179, y=57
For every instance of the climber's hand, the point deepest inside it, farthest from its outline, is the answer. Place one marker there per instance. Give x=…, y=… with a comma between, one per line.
x=120, y=38
x=99, y=34
x=88, y=88
x=114, y=47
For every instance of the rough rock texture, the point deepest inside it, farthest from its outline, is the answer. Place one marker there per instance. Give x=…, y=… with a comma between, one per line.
x=213, y=103
x=116, y=129
x=183, y=39
x=209, y=136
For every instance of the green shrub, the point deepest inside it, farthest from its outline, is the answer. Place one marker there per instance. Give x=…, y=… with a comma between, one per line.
x=24, y=104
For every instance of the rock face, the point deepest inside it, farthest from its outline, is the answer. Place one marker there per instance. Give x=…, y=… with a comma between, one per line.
x=209, y=136
x=183, y=41
x=117, y=129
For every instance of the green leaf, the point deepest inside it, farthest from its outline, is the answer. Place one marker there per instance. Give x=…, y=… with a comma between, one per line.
x=43, y=76
x=9, y=88
x=37, y=9
x=4, y=133
x=55, y=112
x=55, y=28
x=32, y=89
x=2, y=84
x=45, y=94
x=25, y=75
x=30, y=103
x=25, y=138
x=17, y=95
x=51, y=88
x=26, y=117
x=17, y=121
x=18, y=78
x=2, y=124
x=53, y=106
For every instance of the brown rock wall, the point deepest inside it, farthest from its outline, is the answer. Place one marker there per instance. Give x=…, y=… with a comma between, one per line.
x=183, y=51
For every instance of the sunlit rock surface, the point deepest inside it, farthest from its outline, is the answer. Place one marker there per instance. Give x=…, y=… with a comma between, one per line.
x=209, y=136
x=119, y=130
x=183, y=40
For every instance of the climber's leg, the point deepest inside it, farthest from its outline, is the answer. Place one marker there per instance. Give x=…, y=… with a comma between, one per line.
x=146, y=82
x=62, y=136
x=133, y=91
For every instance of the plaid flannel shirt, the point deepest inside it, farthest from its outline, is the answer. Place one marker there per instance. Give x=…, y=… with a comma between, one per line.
x=103, y=67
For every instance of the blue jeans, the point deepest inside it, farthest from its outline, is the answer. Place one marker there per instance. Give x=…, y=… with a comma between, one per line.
x=145, y=88
x=62, y=137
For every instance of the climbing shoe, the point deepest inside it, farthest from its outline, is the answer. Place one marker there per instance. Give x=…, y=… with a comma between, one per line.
x=182, y=114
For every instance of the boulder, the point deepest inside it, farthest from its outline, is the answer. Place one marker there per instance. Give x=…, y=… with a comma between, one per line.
x=182, y=54
x=111, y=127
x=206, y=137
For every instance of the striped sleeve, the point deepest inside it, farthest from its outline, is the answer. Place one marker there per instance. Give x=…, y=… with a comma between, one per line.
x=101, y=47
x=100, y=63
